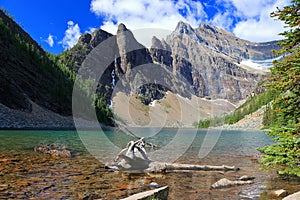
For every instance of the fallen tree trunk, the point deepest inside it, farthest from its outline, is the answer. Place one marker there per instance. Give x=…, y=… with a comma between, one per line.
x=175, y=166
x=134, y=157
x=169, y=167
x=157, y=167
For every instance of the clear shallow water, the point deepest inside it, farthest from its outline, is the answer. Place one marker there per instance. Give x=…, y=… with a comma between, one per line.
x=26, y=174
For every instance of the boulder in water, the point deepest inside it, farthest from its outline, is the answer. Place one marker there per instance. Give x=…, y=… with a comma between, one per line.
x=54, y=149
x=246, y=178
x=224, y=182
x=279, y=193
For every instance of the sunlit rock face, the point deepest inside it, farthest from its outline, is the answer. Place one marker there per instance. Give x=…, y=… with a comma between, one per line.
x=209, y=58
x=207, y=61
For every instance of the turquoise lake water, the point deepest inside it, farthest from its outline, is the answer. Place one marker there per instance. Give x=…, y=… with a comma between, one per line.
x=211, y=147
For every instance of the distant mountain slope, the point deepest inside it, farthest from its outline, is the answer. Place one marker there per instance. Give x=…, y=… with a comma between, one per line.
x=206, y=62
x=27, y=74
x=252, y=114
x=210, y=60
x=74, y=57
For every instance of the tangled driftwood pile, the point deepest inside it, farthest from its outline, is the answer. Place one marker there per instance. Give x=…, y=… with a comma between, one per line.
x=134, y=157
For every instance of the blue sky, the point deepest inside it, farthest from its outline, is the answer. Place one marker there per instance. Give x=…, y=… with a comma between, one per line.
x=57, y=25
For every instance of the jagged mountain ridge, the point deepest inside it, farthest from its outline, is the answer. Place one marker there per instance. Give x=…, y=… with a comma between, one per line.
x=30, y=78
x=207, y=57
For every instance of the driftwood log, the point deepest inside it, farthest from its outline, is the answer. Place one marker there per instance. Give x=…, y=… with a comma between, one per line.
x=134, y=157
x=173, y=167
x=159, y=193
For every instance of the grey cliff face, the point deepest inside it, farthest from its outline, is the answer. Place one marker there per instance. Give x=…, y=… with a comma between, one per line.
x=161, y=52
x=207, y=59
x=131, y=52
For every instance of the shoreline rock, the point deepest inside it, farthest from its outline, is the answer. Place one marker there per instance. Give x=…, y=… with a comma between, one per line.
x=279, y=193
x=54, y=149
x=295, y=196
x=42, y=119
x=224, y=182
x=251, y=122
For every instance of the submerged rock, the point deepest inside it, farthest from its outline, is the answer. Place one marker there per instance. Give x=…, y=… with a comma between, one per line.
x=246, y=178
x=54, y=149
x=154, y=185
x=224, y=182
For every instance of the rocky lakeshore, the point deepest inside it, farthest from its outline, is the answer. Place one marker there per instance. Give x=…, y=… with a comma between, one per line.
x=40, y=118
x=250, y=122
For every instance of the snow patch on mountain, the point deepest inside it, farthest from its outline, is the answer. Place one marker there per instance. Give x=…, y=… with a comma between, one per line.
x=260, y=64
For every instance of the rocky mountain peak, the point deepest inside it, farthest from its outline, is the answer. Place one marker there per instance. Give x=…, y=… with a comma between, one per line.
x=160, y=44
x=161, y=52
x=207, y=57
x=126, y=40
x=85, y=38
x=131, y=52
x=209, y=27
x=209, y=30
x=121, y=28
x=99, y=36
x=94, y=38
x=156, y=43
x=184, y=28
x=210, y=60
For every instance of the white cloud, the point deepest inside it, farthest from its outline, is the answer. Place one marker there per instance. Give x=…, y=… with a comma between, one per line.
x=250, y=8
x=255, y=22
x=223, y=20
x=248, y=19
x=147, y=13
x=50, y=40
x=259, y=31
x=72, y=35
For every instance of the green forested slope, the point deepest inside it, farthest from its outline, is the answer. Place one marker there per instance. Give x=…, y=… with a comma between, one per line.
x=250, y=106
x=29, y=74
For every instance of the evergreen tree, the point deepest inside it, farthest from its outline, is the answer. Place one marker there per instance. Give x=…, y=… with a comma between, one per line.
x=285, y=77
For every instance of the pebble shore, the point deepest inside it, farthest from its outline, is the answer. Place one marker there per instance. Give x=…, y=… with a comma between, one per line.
x=41, y=118
x=251, y=122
